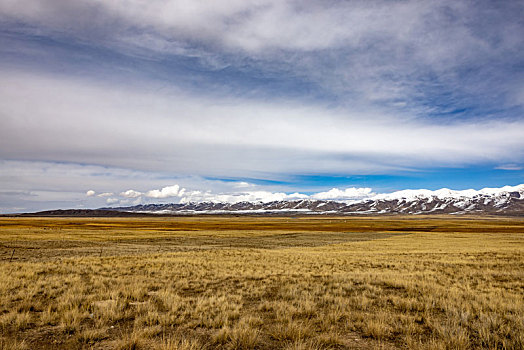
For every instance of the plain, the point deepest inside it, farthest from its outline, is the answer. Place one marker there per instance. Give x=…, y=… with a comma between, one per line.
x=315, y=282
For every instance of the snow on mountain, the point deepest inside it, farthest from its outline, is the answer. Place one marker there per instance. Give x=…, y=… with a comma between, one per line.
x=507, y=200
x=444, y=193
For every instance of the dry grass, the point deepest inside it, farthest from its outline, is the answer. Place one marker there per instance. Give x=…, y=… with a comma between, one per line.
x=262, y=283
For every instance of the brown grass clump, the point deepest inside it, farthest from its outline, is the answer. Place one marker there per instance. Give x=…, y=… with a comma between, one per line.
x=12, y=344
x=240, y=336
x=262, y=283
x=179, y=342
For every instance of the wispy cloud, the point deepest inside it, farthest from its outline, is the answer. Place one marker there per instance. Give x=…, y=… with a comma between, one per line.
x=169, y=131
x=425, y=57
x=509, y=167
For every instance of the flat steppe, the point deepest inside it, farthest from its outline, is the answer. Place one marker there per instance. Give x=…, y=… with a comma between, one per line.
x=421, y=282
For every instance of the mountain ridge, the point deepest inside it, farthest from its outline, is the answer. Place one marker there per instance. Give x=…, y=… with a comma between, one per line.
x=507, y=200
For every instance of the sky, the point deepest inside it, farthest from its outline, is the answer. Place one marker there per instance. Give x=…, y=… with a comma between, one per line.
x=114, y=103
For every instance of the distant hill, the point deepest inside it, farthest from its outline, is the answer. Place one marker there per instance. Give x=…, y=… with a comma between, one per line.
x=508, y=201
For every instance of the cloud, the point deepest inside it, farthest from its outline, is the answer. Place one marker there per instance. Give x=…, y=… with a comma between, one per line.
x=105, y=194
x=509, y=167
x=238, y=193
x=131, y=194
x=112, y=200
x=243, y=184
x=169, y=191
x=180, y=194
x=252, y=25
x=231, y=137
x=346, y=194
x=404, y=54
x=90, y=193
x=251, y=196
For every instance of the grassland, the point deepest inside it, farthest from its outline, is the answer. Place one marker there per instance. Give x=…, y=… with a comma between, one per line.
x=262, y=283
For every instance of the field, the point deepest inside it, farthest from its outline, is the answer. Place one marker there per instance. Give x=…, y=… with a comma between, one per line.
x=262, y=283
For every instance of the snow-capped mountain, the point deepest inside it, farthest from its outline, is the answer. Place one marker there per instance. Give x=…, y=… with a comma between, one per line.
x=507, y=200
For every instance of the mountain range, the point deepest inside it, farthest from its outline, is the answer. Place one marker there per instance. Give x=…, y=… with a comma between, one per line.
x=507, y=200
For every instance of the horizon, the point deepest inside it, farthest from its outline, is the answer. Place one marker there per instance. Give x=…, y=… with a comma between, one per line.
x=175, y=195
x=125, y=103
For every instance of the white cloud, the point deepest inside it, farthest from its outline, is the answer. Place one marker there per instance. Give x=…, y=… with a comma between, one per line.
x=251, y=196
x=296, y=196
x=105, y=194
x=90, y=193
x=371, y=49
x=248, y=25
x=243, y=184
x=231, y=137
x=345, y=194
x=112, y=200
x=131, y=194
x=169, y=191
x=509, y=167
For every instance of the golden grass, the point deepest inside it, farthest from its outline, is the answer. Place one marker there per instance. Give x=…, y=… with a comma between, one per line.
x=262, y=283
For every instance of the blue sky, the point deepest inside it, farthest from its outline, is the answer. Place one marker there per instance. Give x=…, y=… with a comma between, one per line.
x=255, y=98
